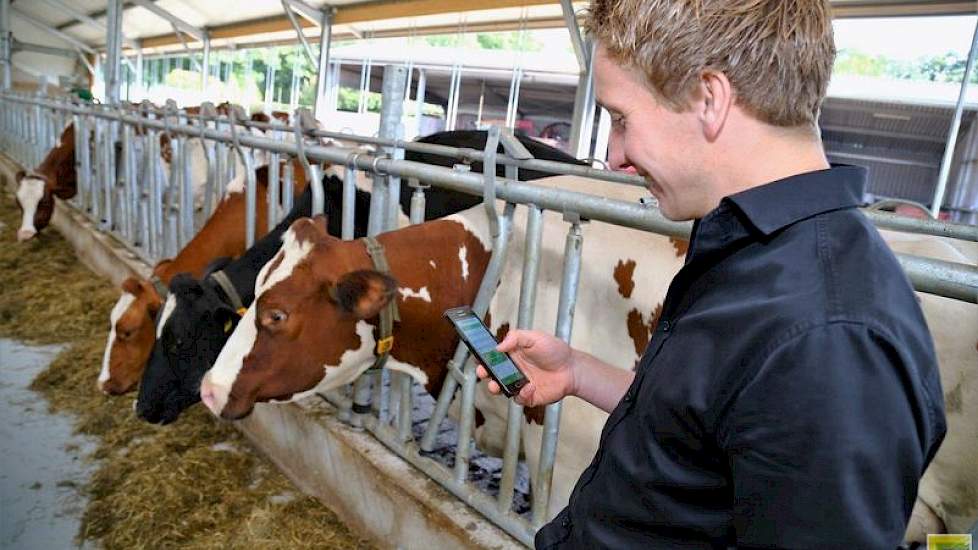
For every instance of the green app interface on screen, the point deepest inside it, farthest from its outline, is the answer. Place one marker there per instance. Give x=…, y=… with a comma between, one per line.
x=485, y=346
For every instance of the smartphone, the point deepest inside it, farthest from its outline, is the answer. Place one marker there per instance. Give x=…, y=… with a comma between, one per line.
x=480, y=342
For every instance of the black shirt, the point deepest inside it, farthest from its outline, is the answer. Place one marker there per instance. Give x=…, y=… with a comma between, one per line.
x=789, y=396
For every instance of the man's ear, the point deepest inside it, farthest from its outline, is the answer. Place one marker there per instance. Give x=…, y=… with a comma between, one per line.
x=362, y=294
x=713, y=101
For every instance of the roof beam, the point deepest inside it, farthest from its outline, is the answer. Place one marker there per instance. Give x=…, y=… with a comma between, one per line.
x=51, y=30
x=85, y=19
x=312, y=14
x=350, y=14
x=178, y=24
x=491, y=26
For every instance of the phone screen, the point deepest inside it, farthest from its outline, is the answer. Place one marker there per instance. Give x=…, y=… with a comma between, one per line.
x=482, y=343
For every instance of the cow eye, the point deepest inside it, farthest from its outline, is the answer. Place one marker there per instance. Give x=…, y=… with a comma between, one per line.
x=274, y=317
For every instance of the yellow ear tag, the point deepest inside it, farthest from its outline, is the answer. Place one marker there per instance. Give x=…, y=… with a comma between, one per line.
x=385, y=345
x=242, y=311
x=227, y=326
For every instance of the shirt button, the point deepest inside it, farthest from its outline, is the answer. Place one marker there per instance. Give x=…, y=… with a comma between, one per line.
x=629, y=396
x=666, y=326
x=565, y=522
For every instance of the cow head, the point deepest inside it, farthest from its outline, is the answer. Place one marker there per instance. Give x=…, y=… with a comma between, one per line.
x=131, y=337
x=194, y=326
x=36, y=203
x=306, y=324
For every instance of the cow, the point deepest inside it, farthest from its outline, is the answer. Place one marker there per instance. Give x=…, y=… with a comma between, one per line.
x=54, y=177
x=170, y=384
x=624, y=278
x=198, y=315
x=131, y=321
x=316, y=306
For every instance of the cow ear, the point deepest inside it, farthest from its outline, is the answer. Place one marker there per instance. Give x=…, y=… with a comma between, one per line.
x=226, y=318
x=20, y=175
x=363, y=293
x=132, y=286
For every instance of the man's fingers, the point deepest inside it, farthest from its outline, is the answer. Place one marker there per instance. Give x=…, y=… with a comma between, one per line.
x=525, y=397
x=480, y=371
x=494, y=388
x=516, y=339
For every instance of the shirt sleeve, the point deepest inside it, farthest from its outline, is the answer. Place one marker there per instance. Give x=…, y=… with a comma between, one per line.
x=826, y=442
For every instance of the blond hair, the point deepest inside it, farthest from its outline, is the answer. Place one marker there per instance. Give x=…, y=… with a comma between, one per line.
x=778, y=54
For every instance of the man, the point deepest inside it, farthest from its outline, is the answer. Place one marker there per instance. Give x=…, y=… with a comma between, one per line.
x=789, y=396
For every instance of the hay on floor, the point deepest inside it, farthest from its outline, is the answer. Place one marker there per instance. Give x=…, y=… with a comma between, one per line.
x=195, y=484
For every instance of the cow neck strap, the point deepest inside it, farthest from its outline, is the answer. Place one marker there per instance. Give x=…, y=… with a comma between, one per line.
x=389, y=314
x=159, y=286
x=222, y=281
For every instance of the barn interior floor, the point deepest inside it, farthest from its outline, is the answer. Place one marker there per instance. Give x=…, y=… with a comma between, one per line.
x=42, y=466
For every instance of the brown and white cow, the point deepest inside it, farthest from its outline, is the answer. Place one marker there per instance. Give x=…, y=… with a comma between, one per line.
x=313, y=325
x=54, y=177
x=131, y=322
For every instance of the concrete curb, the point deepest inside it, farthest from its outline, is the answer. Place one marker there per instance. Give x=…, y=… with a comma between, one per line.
x=370, y=488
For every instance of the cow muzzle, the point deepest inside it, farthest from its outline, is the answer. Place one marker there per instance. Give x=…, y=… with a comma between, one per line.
x=213, y=396
x=25, y=234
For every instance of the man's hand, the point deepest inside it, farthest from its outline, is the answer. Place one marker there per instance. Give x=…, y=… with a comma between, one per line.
x=546, y=361
x=555, y=370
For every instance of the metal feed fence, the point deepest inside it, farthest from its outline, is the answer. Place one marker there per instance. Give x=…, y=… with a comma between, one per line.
x=128, y=193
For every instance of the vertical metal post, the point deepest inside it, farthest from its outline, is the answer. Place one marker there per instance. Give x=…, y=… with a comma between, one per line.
x=113, y=65
x=524, y=320
x=140, y=84
x=6, y=43
x=383, y=202
x=601, y=138
x=584, y=105
x=205, y=67
x=322, y=72
x=952, y=135
x=419, y=101
x=565, y=324
x=513, y=105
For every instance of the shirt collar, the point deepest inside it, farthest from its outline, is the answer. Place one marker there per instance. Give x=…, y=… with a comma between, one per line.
x=778, y=204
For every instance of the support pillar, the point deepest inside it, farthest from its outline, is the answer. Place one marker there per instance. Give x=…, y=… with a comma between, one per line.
x=952, y=135
x=322, y=71
x=113, y=52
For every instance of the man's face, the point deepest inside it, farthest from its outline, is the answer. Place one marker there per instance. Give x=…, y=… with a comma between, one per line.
x=663, y=146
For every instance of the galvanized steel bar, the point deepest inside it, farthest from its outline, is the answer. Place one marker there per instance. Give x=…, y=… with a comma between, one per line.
x=591, y=207
x=885, y=220
x=287, y=187
x=952, y=135
x=584, y=105
x=322, y=72
x=524, y=320
x=6, y=45
x=581, y=51
x=113, y=65
x=487, y=288
x=481, y=502
x=306, y=48
x=274, y=195
x=349, y=198
x=565, y=324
